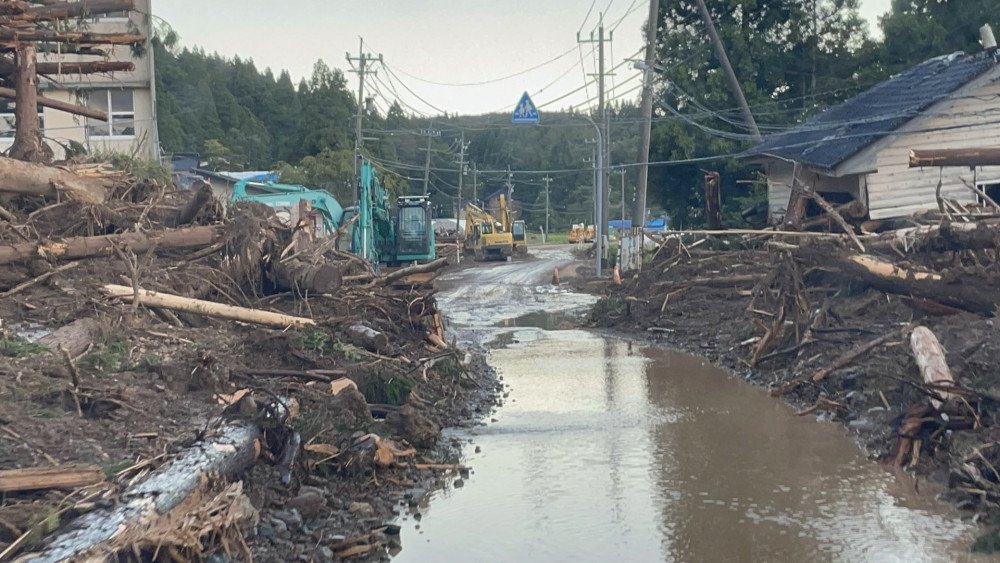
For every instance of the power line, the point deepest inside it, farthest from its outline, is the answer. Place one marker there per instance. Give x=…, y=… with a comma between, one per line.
x=491, y=80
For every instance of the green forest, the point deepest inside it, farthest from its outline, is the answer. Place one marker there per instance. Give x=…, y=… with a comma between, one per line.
x=794, y=58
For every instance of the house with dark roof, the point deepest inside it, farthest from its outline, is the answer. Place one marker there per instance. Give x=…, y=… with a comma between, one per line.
x=859, y=150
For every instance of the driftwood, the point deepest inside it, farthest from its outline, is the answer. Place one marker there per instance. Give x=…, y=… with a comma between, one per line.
x=38, y=279
x=92, y=536
x=73, y=67
x=841, y=361
x=989, y=156
x=74, y=338
x=41, y=478
x=369, y=339
x=51, y=11
x=186, y=214
x=27, y=178
x=946, y=237
x=206, y=308
x=302, y=276
x=722, y=281
x=419, y=269
x=86, y=247
x=932, y=362
x=889, y=277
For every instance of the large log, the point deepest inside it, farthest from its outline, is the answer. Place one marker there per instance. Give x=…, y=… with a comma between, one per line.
x=86, y=247
x=45, y=35
x=932, y=362
x=419, y=269
x=206, y=308
x=892, y=278
x=302, y=276
x=946, y=237
x=73, y=67
x=186, y=214
x=29, y=145
x=75, y=337
x=35, y=179
x=67, y=107
x=90, y=537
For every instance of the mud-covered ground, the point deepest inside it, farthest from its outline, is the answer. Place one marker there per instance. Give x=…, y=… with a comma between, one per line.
x=822, y=316
x=144, y=384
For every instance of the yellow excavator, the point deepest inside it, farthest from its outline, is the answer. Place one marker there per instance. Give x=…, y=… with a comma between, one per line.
x=518, y=229
x=485, y=237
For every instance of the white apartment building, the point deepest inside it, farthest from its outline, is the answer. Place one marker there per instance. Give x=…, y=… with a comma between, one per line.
x=128, y=97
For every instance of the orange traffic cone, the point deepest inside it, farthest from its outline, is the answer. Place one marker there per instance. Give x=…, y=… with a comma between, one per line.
x=555, y=276
x=616, y=276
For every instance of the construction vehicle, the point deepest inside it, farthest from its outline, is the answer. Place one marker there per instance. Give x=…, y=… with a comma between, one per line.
x=287, y=201
x=579, y=233
x=383, y=235
x=517, y=229
x=485, y=237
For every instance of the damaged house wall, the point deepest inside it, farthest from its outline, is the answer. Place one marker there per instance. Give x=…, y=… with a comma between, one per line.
x=860, y=148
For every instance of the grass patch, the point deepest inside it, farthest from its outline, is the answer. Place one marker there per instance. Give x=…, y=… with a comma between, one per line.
x=106, y=357
x=392, y=391
x=316, y=340
x=13, y=347
x=987, y=543
x=553, y=238
x=112, y=471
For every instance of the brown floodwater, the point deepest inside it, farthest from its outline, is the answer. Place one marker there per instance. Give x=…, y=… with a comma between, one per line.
x=607, y=451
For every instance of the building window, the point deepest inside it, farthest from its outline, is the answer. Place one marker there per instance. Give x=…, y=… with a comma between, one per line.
x=991, y=190
x=119, y=106
x=8, y=121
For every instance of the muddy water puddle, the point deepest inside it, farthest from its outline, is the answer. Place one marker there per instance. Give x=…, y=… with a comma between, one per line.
x=608, y=451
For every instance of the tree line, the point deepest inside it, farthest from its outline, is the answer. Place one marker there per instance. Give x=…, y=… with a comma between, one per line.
x=793, y=57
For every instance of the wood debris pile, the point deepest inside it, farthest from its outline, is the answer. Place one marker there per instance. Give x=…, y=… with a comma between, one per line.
x=131, y=310
x=892, y=332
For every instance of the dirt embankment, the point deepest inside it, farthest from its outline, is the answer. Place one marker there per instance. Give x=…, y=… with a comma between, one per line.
x=124, y=390
x=802, y=321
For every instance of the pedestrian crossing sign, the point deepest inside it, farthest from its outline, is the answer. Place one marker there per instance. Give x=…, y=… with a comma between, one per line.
x=525, y=112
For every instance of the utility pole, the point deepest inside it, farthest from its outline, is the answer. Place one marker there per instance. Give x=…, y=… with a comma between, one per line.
x=545, y=235
x=461, y=174
x=475, y=183
x=362, y=59
x=602, y=199
x=734, y=84
x=430, y=133
x=639, y=211
x=509, y=184
x=621, y=172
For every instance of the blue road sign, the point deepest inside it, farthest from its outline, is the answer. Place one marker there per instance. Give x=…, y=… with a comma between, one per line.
x=525, y=112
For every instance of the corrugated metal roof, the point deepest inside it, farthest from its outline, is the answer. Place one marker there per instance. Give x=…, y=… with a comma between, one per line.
x=840, y=132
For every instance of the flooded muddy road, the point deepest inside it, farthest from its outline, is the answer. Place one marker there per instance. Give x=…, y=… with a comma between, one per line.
x=607, y=450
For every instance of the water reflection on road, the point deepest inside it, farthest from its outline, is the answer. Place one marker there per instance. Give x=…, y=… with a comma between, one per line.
x=611, y=451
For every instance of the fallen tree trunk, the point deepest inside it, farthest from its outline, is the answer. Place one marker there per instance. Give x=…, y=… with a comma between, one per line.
x=85, y=247
x=369, y=339
x=40, y=478
x=206, y=308
x=301, y=276
x=932, y=362
x=74, y=338
x=36, y=179
x=186, y=214
x=947, y=237
x=722, y=281
x=891, y=278
x=73, y=67
x=93, y=536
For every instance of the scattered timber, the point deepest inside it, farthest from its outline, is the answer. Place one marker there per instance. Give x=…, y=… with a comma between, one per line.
x=86, y=247
x=67, y=107
x=369, y=339
x=75, y=337
x=73, y=67
x=946, y=237
x=302, y=276
x=955, y=157
x=206, y=308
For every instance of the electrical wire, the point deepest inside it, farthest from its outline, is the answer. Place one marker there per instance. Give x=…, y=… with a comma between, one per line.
x=491, y=80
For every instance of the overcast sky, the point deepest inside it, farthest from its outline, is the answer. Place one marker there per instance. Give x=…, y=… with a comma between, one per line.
x=448, y=41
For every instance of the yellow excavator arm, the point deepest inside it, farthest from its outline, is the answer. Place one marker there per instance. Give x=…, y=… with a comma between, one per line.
x=485, y=236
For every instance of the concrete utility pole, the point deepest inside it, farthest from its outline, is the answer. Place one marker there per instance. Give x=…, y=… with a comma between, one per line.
x=621, y=172
x=430, y=133
x=509, y=185
x=475, y=183
x=545, y=235
x=461, y=174
x=601, y=198
x=639, y=211
x=734, y=84
x=362, y=59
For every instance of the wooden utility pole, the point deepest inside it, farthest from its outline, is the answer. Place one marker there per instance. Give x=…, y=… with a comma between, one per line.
x=461, y=174
x=362, y=59
x=430, y=133
x=713, y=201
x=602, y=199
x=734, y=84
x=639, y=211
x=475, y=183
x=955, y=157
x=28, y=144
